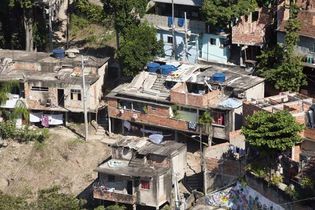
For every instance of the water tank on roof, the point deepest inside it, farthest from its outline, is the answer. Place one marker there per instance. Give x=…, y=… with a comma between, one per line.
x=167, y=69
x=153, y=67
x=218, y=77
x=59, y=53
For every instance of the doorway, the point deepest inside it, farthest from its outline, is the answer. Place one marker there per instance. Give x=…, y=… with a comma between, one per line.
x=129, y=187
x=61, y=98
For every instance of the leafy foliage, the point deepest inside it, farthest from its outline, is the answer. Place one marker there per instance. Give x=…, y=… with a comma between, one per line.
x=9, y=130
x=280, y=65
x=205, y=118
x=125, y=13
x=5, y=88
x=272, y=131
x=92, y=12
x=221, y=14
x=139, y=45
x=48, y=199
x=52, y=199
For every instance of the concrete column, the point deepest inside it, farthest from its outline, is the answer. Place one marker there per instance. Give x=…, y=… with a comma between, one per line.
x=109, y=125
x=66, y=118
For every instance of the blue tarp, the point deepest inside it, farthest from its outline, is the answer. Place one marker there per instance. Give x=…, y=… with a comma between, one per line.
x=156, y=138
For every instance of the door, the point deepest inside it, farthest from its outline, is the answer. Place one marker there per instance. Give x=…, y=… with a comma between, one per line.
x=129, y=187
x=61, y=98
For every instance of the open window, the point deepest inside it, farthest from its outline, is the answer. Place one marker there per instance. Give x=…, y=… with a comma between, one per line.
x=218, y=118
x=145, y=184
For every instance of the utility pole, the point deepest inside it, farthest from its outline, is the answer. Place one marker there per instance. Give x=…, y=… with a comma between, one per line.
x=50, y=25
x=186, y=39
x=173, y=31
x=84, y=101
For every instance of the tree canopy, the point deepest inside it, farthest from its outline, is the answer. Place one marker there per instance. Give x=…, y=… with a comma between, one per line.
x=221, y=13
x=138, y=46
x=281, y=66
x=272, y=131
x=125, y=12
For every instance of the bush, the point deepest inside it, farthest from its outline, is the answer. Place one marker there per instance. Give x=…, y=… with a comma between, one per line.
x=9, y=130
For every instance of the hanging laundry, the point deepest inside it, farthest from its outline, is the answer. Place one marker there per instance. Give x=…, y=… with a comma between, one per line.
x=192, y=125
x=45, y=121
x=36, y=116
x=56, y=119
x=127, y=125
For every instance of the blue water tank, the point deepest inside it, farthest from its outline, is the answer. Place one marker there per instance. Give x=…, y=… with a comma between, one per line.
x=59, y=53
x=167, y=69
x=153, y=67
x=218, y=77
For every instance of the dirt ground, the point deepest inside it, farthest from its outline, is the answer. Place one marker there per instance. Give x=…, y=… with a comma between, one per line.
x=64, y=160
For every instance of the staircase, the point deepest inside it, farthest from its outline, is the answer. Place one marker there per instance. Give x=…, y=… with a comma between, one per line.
x=159, y=84
x=194, y=182
x=100, y=130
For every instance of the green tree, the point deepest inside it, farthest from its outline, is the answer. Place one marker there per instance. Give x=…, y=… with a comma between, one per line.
x=115, y=207
x=139, y=45
x=221, y=13
x=52, y=199
x=281, y=66
x=26, y=7
x=272, y=132
x=125, y=13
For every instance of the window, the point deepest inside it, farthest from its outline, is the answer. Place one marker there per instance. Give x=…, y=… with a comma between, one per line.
x=136, y=106
x=145, y=184
x=213, y=41
x=125, y=104
x=218, y=118
x=255, y=16
x=37, y=88
x=111, y=178
x=170, y=39
x=75, y=94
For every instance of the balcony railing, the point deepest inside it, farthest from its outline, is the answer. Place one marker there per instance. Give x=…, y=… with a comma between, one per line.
x=102, y=194
x=194, y=26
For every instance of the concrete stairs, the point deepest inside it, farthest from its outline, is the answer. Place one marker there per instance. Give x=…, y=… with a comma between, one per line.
x=100, y=130
x=194, y=182
x=159, y=84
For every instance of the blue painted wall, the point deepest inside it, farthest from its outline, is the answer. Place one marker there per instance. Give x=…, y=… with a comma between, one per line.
x=198, y=46
x=180, y=45
x=214, y=51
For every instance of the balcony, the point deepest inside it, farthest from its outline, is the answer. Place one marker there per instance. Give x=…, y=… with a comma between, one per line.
x=102, y=194
x=163, y=22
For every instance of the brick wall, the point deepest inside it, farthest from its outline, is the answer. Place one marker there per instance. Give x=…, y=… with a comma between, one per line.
x=179, y=96
x=156, y=116
x=251, y=32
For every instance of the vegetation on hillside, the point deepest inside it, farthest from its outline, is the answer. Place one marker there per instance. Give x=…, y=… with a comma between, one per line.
x=281, y=66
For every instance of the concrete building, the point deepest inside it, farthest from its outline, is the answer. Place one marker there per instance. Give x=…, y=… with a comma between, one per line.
x=250, y=34
x=141, y=173
x=193, y=39
x=53, y=87
x=173, y=104
x=306, y=44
